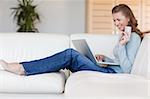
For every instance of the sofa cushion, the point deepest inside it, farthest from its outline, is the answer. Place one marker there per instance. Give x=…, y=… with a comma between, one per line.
x=89, y=83
x=18, y=47
x=43, y=83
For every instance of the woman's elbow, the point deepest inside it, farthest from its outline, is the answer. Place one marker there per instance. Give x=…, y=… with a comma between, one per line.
x=127, y=68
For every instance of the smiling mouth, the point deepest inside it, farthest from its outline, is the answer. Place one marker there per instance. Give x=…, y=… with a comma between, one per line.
x=119, y=27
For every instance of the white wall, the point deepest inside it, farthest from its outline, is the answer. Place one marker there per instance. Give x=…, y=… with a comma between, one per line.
x=60, y=16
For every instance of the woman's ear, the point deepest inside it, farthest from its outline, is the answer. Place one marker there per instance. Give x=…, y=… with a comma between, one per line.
x=128, y=20
x=129, y=23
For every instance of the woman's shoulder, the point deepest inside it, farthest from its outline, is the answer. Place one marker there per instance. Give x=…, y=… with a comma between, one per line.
x=134, y=42
x=134, y=35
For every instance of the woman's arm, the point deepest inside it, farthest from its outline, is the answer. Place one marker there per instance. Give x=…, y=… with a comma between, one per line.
x=126, y=53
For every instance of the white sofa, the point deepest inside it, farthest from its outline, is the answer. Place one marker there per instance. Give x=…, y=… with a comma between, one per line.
x=16, y=47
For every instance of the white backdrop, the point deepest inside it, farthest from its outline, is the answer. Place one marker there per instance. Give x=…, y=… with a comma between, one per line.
x=60, y=16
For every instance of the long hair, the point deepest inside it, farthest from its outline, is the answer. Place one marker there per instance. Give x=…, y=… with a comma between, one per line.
x=127, y=12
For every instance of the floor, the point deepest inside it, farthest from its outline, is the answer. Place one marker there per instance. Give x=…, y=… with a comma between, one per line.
x=31, y=96
x=56, y=96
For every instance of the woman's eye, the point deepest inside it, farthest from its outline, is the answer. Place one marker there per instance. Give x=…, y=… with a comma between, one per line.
x=118, y=19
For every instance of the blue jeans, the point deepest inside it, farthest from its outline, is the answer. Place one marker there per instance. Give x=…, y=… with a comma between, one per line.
x=69, y=59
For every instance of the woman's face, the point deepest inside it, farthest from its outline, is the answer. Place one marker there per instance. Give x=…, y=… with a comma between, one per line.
x=120, y=20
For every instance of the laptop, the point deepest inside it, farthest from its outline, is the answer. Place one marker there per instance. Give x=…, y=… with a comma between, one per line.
x=83, y=48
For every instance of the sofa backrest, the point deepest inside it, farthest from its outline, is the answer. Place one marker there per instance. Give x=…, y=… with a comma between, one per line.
x=141, y=64
x=18, y=47
x=103, y=44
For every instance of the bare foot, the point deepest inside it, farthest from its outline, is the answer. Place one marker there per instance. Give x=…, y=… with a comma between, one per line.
x=3, y=65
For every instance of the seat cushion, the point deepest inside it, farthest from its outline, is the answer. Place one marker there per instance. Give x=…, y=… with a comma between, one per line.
x=90, y=83
x=43, y=83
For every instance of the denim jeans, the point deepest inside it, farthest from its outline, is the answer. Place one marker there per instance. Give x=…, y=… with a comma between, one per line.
x=69, y=59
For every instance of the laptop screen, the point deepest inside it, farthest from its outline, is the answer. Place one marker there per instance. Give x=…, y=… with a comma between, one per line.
x=83, y=48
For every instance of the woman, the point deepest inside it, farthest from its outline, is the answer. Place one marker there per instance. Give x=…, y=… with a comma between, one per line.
x=124, y=52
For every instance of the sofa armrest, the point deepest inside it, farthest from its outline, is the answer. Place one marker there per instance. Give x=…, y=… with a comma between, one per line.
x=141, y=64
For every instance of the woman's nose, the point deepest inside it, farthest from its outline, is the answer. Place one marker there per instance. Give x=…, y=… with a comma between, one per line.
x=116, y=23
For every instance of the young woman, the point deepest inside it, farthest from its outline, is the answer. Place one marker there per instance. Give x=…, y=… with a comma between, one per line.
x=124, y=52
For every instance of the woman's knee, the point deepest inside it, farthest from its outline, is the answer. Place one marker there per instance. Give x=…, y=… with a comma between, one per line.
x=71, y=50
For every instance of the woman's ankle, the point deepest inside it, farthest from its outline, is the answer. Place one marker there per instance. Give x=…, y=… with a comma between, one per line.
x=3, y=65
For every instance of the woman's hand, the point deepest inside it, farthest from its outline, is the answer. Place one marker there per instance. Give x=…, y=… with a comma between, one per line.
x=124, y=38
x=99, y=57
